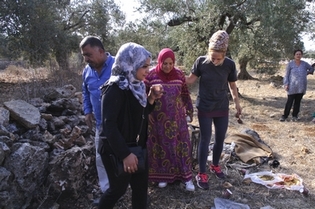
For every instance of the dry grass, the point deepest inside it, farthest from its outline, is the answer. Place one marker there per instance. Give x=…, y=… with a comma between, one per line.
x=19, y=83
x=292, y=142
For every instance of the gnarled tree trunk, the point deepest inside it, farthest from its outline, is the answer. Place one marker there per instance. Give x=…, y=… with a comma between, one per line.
x=243, y=74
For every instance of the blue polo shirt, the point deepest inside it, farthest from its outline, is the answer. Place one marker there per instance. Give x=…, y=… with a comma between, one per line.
x=91, y=88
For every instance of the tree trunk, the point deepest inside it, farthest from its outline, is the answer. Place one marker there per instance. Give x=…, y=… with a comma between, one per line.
x=244, y=75
x=62, y=59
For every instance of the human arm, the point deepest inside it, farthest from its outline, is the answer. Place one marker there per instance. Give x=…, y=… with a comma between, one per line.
x=89, y=118
x=185, y=95
x=195, y=71
x=286, y=77
x=120, y=126
x=310, y=69
x=155, y=92
x=191, y=78
x=114, y=121
x=87, y=105
x=234, y=93
x=148, y=85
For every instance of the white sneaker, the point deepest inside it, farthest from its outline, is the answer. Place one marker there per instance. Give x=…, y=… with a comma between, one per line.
x=190, y=186
x=162, y=184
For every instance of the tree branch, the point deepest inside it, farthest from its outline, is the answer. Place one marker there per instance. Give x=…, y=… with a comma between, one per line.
x=181, y=20
x=68, y=27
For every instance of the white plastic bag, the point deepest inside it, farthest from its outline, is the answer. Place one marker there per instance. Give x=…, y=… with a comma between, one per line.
x=276, y=181
x=221, y=203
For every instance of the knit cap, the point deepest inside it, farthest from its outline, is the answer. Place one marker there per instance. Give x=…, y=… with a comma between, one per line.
x=219, y=41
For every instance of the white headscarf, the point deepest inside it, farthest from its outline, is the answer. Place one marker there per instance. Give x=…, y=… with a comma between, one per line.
x=129, y=58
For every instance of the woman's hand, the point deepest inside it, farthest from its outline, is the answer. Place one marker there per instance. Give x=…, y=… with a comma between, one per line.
x=151, y=119
x=156, y=92
x=238, y=108
x=130, y=163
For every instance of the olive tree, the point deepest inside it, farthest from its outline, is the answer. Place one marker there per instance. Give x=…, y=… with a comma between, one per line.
x=39, y=29
x=260, y=31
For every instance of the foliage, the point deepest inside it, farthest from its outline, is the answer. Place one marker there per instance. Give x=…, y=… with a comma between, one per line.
x=27, y=28
x=102, y=18
x=259, y=30
x=37, y=29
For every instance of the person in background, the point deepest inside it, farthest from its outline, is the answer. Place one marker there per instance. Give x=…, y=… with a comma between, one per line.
x=125, y=109
x=169, y=147
x=217, y=72
x=95, y=73
x=295, y=83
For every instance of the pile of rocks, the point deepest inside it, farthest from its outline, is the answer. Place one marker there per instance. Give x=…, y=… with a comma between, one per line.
x=45, y=149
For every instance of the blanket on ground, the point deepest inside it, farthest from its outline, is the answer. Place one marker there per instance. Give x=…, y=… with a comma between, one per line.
x=247, y=148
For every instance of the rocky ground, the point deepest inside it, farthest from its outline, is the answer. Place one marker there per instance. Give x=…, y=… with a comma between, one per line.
x=292, y=143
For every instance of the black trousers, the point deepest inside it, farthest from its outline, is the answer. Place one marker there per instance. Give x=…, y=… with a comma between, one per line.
x=118, y=186
x=295, y=100
x=220, y=126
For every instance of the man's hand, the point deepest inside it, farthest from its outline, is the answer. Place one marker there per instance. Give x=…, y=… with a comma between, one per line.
x=89, y=120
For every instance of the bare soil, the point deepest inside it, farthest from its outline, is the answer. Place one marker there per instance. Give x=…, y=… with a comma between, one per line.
x=293, y=144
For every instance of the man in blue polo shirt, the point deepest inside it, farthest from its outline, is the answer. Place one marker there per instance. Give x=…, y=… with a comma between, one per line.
x=96, y=73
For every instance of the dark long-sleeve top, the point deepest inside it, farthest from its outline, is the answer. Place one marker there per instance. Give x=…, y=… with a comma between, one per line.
x=122, y=116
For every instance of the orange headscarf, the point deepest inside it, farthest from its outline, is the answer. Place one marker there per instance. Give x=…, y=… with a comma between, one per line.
x=163, y=55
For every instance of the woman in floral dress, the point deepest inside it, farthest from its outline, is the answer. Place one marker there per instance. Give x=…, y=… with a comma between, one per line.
x=169, y=147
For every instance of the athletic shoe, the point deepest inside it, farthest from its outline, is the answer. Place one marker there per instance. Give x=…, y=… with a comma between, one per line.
x=294, y=119
x=162, y=184
x=202, y=181
x=217, y=171
x=282, y=118
x=190, y=186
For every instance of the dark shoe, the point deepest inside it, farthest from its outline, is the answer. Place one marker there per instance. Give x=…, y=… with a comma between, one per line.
x=217, y=171
x=294, y=119
x=282, y=118
x=202, y=181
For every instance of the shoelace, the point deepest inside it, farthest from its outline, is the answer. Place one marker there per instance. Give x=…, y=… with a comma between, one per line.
x=203, y=177
x=217, y=169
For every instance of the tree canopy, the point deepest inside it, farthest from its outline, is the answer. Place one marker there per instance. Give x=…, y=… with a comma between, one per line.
x=38, y=29
x=261, y=32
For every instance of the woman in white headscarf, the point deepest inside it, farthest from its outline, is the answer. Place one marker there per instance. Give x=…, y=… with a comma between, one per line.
x=217, y=75
x=125, y=109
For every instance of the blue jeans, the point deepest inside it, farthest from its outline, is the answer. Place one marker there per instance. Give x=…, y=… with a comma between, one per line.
x=101, y=171
x=220, y=126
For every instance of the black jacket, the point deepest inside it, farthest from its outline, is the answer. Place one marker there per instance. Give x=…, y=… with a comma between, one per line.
x=121, y=121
